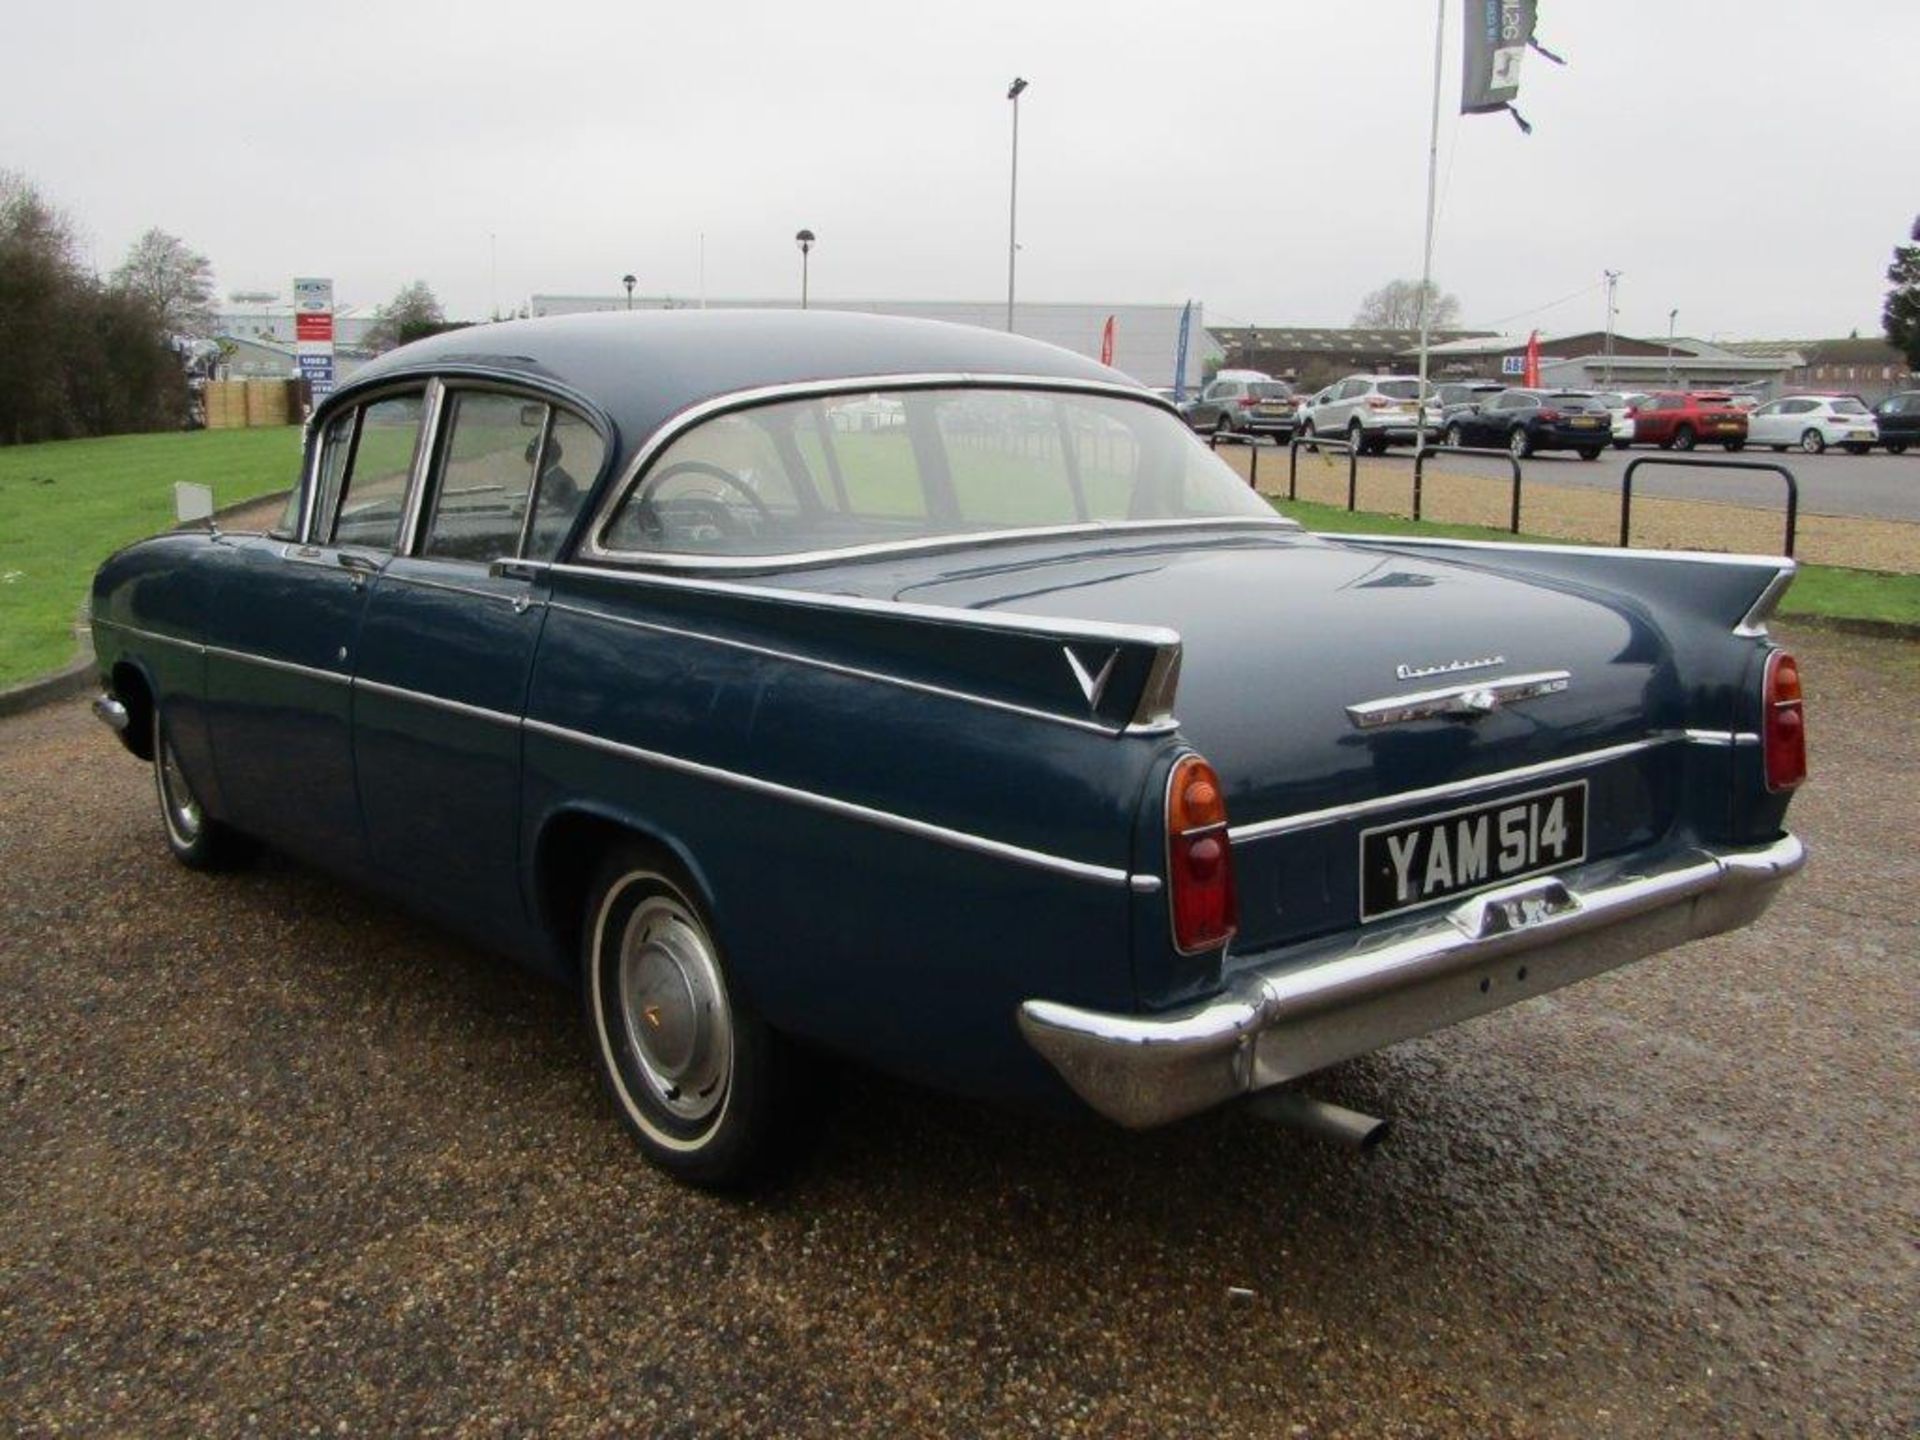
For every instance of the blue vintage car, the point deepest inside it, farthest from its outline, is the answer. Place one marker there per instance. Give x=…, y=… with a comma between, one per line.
x=810, y=685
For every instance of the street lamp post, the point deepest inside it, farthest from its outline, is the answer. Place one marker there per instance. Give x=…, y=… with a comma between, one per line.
x=628, y=281
x=805, y=241
x=1672, y=315
x=1013, y=194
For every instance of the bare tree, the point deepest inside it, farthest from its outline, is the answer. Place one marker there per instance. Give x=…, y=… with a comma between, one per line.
x=1396, y=306
x=412, y=314
x=175, y=281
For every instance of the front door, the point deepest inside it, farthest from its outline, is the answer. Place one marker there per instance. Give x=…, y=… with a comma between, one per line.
x=283, y=634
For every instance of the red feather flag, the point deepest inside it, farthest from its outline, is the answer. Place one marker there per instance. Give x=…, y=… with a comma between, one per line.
x=1533, y=361
x=1106, y=343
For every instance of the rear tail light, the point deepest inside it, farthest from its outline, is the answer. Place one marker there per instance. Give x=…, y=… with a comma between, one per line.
x=1549, y=414
x=1783, y=739
x=1205, y=909
x=1247, y=402
x=1378, y=402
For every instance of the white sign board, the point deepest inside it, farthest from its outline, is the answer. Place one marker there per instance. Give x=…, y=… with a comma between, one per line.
x=192, y=502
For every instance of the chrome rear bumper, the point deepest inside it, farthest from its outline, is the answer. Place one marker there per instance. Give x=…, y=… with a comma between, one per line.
x=1316, y=1005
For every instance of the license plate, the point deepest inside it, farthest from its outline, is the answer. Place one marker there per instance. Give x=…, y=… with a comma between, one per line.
x=1730, y=425
x=1436, y=857
x=1585, y=424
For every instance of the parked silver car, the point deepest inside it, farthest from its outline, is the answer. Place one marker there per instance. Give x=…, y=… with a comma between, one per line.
x=1371, y=412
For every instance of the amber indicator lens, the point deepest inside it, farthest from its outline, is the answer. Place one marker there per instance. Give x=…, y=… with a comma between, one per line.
x=1199, y=858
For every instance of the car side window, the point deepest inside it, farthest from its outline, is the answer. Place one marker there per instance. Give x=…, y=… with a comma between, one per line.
x=373, y=496
x=336, y=448
x=486, y=476
x=568, y=468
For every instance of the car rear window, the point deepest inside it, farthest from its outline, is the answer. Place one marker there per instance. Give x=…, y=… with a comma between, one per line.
x=1400, y=389
x=1274, y=390
x=1713, y=399
x=1849, y=407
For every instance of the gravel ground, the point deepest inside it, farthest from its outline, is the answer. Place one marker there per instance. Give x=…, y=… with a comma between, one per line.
x=281, y=1160
x=1570, y=513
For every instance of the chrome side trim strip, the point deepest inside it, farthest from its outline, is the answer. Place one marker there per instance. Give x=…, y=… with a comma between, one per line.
x=846, y=809
x=1051, y=628
x=833, y=667
x=436, y=702
x=1310, y=819
x=1468, y=701
x=1720, y=737
x=312, y=672
x=126, y=629
x=1698, y=557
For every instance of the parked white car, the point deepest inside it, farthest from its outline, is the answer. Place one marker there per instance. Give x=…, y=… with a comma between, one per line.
x=1370, y=411
x=1813, y=422
x=1620, y=405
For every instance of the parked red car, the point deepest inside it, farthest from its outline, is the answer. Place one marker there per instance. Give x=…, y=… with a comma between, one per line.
x=1675, y=420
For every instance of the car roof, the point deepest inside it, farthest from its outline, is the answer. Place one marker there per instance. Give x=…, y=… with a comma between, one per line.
x=641, y=368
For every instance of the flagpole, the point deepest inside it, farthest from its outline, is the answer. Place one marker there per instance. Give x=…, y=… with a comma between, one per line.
x=1426, y=262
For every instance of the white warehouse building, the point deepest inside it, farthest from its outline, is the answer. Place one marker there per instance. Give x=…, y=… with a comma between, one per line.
x=1146, y=338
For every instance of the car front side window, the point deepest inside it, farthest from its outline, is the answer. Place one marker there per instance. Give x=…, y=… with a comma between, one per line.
x=372, y=501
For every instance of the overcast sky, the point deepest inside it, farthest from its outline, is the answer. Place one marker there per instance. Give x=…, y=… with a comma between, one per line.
x=1751, y=162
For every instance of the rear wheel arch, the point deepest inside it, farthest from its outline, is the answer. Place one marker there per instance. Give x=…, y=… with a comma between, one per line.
x=568, y=853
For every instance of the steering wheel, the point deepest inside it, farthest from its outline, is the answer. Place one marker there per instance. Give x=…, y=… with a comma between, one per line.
x=701, y=467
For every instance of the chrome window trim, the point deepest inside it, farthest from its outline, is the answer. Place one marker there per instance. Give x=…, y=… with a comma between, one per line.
x=854, y=671
x=513, y=601
x=426, y=451
x=677, y=425
x=846, y=809
x=1357, y=809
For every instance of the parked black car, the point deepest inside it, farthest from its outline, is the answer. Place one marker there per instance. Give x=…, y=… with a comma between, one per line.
x=1465, y=396
x=1245, y=407
x=1899, y=417
x=1523, y=421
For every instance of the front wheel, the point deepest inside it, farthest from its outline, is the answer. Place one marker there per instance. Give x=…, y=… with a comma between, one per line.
x=1621, y=444
x=1896, y=447
x=1813, y=443
x=195, y=837
x=1452, y=438
x=1589, y=454
x=1683, y=438
x=1519, y=443
x=710, y=1092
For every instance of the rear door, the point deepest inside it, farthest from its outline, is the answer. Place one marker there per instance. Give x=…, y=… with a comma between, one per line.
x=448, y=643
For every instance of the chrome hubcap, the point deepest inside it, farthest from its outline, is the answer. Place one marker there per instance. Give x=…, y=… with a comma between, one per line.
x=673, y=1008
x=183, y=811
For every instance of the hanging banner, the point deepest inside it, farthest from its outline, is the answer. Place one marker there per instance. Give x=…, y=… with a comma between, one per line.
x=1496, y=33
x=1106, y=343
x=1180, y=354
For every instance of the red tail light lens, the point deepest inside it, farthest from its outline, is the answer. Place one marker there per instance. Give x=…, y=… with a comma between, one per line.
x=1247, y=402
x=1205, y=909
x=1549, y=414
x=1784, y=736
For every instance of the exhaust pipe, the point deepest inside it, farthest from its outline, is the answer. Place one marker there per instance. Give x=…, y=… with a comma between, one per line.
x=1330, y=1122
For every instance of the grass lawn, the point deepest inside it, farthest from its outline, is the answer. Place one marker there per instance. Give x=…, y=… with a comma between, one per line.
x=65, y=507
x=1828, y=591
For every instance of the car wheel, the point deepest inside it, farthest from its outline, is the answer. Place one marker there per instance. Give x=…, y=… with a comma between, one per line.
x=1813, y=442
x=1222, y=425
x=1683, y=438
x=1452, y=437
x=1896, y=447
x=195, y=837
x=1621, y=444
x=1519, y=442
x=1589, y=454
x=1306, y=430
x=1736, y=446
x=708, y=1090
x=1357, y=439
